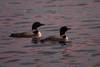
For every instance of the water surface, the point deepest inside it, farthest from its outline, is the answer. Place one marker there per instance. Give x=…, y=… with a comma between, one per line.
x=83, y=16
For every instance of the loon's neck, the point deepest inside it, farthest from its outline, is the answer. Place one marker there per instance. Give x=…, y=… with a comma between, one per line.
x=64, y=37
x=36, y=32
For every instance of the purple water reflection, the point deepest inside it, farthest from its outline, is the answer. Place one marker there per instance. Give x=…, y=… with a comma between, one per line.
x=81, y=15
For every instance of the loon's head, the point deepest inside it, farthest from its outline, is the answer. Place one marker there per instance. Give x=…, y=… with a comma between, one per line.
x=35, y=31
x=36, y=25
x=63, y=29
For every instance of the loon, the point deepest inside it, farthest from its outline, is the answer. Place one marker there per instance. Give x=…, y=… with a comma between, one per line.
x=34, y=34
x=61, y=39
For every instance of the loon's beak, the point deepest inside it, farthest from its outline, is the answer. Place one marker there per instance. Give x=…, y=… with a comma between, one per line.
x=42, y=24
x=69, y=28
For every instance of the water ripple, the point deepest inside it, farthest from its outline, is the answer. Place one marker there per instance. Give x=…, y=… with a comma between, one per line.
x=3, y=58
x=47, y=52
x=11, y=61
x=96, y=54
x=96, y=65
x=96, y=0
x=92, y=20
x=19, y=52
x=27, y=63
x=15, y=3
x=86, y=50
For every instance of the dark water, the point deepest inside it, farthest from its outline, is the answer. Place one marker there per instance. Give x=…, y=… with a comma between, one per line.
x=83, y=16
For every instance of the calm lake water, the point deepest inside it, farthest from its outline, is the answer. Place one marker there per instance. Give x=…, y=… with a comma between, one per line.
x=83, y=16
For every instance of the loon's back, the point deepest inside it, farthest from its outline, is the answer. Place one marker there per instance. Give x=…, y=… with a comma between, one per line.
x=55, y=39
x=23, y=34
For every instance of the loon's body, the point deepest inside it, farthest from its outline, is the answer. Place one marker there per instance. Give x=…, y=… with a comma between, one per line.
x=34, y=34
x=62, y=38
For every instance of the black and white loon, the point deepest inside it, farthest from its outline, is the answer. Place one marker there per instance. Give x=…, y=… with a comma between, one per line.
x=61, y=39
x=34, y=34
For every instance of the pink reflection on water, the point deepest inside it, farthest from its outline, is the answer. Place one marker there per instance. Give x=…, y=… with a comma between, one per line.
x=91, y=4
x=49, y=18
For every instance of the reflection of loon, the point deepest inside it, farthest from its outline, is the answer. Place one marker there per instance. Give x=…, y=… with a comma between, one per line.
x=35, y=33
x=62, y=39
